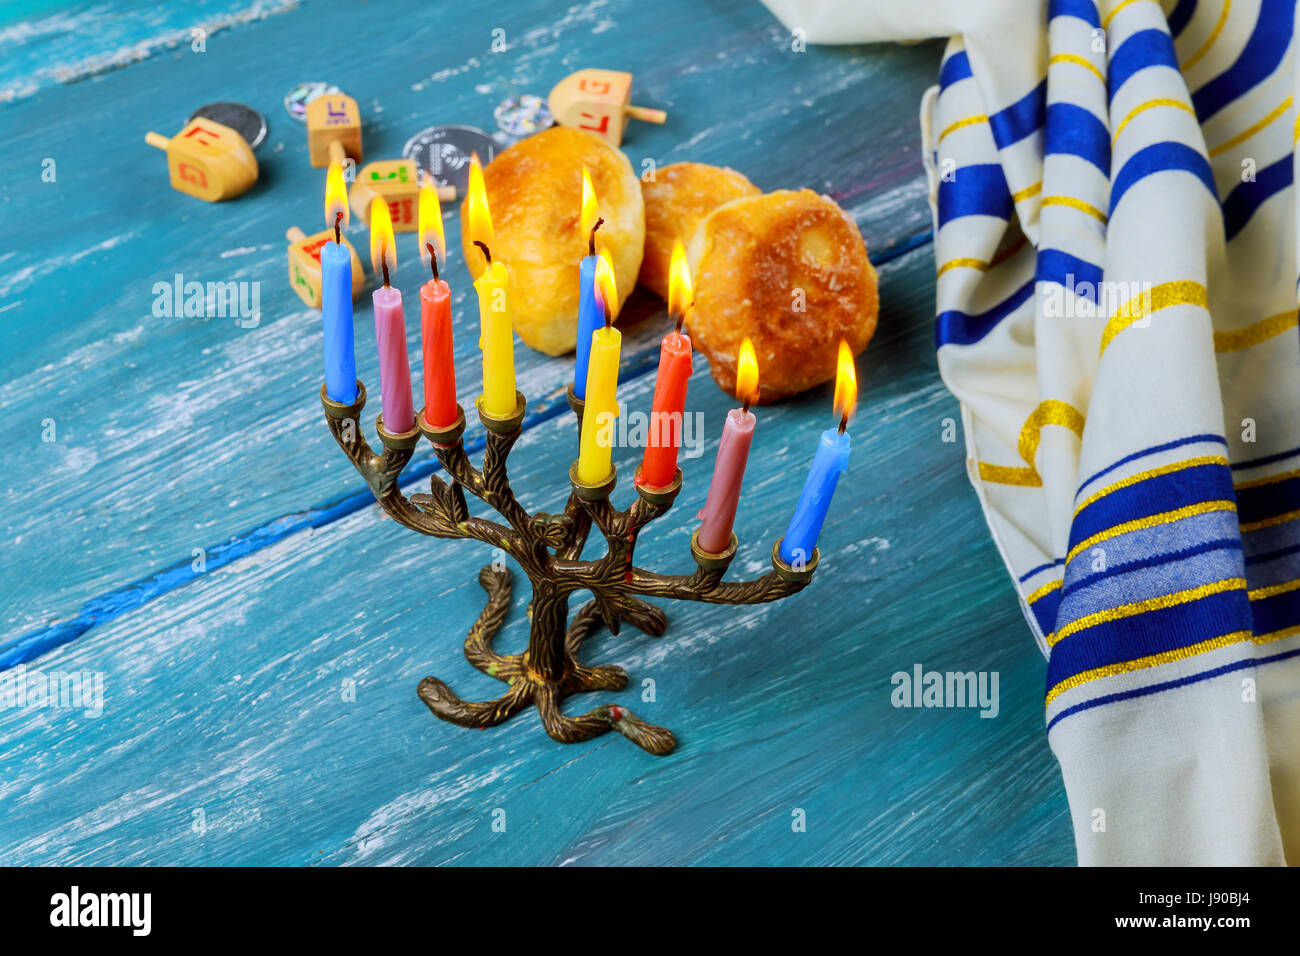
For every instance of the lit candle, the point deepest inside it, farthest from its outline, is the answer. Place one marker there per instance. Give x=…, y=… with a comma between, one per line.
x=496, y=334
x=831, y=459
x=596, y=446
x=390, y=325
x=590, y=317
x=659, y=465
x=435, y=318
x=336, y=295
x=719, y=511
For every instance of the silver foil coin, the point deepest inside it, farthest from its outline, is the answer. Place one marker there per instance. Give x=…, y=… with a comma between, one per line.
x=296, y=100
x=444, y=151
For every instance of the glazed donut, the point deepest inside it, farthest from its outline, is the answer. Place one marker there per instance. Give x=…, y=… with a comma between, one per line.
x=676, y=202
x=534, y=192
x=789, y=269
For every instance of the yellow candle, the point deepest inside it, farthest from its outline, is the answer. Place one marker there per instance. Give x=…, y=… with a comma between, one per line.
x=496, y=333
x=496, y=339
x=596, y=449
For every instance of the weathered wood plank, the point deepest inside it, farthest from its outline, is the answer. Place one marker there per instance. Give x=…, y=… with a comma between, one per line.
x=224, y=696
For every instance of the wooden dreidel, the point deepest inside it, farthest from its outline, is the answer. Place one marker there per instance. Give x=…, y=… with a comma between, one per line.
x=304, y=265
x=397, y=181
x=207, y=160
x=597, y=100
x=333, y=129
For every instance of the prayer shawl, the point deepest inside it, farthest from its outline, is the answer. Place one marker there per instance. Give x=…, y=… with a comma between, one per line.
x=1116, y=261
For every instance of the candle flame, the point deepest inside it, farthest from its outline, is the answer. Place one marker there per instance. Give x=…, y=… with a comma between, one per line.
x=590, y=209
x=430, y=212
x=336, y=196
x=382, y=248
x=480, y=218
x=606, y=290
x=846, y=383
x=680, y=291
x=747, y=372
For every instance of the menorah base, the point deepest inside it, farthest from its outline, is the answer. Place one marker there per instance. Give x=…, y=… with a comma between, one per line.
x=527, y=686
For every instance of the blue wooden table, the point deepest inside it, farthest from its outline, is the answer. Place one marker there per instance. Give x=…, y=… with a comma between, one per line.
x=193, y=536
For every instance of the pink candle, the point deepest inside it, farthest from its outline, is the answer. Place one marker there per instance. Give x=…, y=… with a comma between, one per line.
x=719, y=511
x=394, y=362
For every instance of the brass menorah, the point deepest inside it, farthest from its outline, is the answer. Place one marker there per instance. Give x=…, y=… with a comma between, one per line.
x=548, y=548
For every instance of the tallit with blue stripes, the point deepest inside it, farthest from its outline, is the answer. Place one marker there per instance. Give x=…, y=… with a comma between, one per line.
x=1115, y=245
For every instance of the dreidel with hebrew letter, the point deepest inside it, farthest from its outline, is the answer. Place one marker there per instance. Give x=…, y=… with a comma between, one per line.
x=304, y=265
x=333, y=130
x=207, y=160
x=397, y=181
x=598, y=100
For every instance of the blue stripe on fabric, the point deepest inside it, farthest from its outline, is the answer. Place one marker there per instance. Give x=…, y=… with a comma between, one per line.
x=1143, y=49
x=1246, y=198
x=1152, y=632
x=1041, y=568
x=1181, y=16
x=1154, y=450
x=1085, y=10
x=1044, y=610
x=979, y=190
x=1075, y=131
x=1154, y=583
x=1267, y=459
x=1273, y=555
x=959, y=328
x=1157, y=158
x=1258, y=59
x=1268, y=501
x=1021, y=118
x=1053, y=265
x=1243, y=664
x=1155, y=560
x=1276, y=613
x=954, y=69
x=1177, y=489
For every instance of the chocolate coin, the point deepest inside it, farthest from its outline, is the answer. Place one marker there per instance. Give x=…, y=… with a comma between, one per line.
x=244, y=120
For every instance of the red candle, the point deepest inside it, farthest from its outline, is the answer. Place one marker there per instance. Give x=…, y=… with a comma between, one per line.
x=440, y=407
x=719, y=511
x=439, y=356
x=659, y=464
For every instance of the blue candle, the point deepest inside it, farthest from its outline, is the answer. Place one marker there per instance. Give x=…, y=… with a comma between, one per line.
x=591, y=316
x=336, y=315
x=801, y=537
x=591, y=311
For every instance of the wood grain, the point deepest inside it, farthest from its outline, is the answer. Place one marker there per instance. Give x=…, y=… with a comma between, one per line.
x=224, y=692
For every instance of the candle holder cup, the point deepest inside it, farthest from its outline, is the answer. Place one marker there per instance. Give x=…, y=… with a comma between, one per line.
x=548, y=548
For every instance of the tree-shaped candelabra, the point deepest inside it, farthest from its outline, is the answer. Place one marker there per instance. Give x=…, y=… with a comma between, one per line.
x=549, y=548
